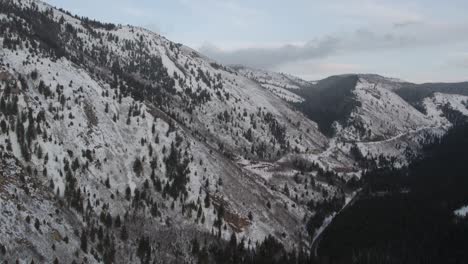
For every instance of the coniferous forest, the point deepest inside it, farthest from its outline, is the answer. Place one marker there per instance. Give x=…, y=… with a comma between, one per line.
x=407, y=215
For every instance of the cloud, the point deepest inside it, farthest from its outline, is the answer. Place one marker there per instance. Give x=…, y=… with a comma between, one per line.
x=317, y=69
x=417, y=35
x=338, y=67
x=269, y=57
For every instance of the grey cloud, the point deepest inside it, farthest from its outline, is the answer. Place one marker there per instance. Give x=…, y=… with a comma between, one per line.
x=361, y=40
x=268, y=57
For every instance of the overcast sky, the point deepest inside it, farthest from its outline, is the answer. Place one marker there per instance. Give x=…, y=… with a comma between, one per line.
x=419, y=41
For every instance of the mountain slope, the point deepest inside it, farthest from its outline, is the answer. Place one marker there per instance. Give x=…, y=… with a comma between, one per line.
x=140, y=138
x=376, y=115
x=381, y=114
x=416, y=93
x=279, y=84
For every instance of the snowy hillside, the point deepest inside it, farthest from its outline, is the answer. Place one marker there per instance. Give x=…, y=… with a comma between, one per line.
x=365, y=112
x=279, y=84
x=136, y=135
x=118, y=145
x=384, y=125
x=385, y=82
x=439, y=106
x=381, y=115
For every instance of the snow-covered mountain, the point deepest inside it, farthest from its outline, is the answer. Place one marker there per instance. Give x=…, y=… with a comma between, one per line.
x=117, y=122
x=279, y=84
x=116, y=141
x=376, y=115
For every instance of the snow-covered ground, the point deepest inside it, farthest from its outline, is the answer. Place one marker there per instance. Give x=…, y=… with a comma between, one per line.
x=462, y=212
x=88, y=122
x=279, y=84
x=434, y=104
x=381, y=115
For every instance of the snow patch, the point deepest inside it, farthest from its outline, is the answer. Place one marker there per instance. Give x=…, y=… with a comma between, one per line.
x=462, y=212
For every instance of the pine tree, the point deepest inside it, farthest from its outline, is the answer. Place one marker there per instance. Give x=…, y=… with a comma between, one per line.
x=233, y=241
x=128, y=193
x=144, y=250
x=84, y=241
x=108, y=220
x=195, y=246
x=124, y=233
x=107, y=183
x=3, y=126
x=137, y=166
x=207, y=200
x=117, y=222
x=37, y=224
